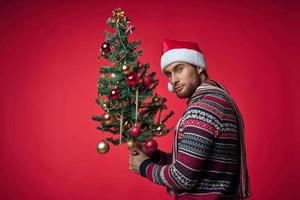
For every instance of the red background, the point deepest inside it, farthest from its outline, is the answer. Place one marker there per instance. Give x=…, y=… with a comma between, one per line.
x=48, y=90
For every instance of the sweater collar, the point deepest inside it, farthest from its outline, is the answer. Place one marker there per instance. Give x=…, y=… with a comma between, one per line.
x=199, y=92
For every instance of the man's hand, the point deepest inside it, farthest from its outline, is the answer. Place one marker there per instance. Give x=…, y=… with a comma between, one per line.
x=136, y=157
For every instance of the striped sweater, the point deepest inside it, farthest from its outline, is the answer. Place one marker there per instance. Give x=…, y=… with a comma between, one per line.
x=206, y=151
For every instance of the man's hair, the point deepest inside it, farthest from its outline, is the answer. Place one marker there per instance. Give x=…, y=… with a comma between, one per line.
x=203, y=71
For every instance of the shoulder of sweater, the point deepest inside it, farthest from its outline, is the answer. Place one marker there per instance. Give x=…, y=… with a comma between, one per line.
x=211, y=103
x=216, y=100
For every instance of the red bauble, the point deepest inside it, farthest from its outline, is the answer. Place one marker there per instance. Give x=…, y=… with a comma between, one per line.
x=106, y=117
x=136, y=130
x=105, y=47
x=150, y=145
x=114, y=94
x=147, y=80
x=132, y=79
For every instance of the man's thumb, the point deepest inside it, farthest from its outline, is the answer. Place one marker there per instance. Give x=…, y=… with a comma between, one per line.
x=139, y=150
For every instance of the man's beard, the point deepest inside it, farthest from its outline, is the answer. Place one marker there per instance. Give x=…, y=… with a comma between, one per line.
x=189, y=93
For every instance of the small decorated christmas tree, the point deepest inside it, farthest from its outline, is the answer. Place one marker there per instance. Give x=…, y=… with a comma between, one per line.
x=133, y=114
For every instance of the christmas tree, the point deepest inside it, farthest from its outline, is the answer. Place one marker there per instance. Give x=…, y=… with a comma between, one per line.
x=132, y=111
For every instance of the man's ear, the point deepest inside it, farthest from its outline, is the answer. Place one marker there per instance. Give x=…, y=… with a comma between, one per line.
x=199, y=70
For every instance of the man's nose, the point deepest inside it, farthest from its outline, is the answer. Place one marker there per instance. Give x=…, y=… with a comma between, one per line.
x=174, y=79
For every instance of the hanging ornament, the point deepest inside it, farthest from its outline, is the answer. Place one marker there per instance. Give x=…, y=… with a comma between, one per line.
x=104, y=106
x=130, y=144
x=113, y=75
x=107, y=118
x=147, y=80
x=114, y=94
x=136, y=130
x=103, y=147
x=126, y=69
x=105, y=47
x=156, y=100
x=132, y=79
x=159, y=130
x=150, y=145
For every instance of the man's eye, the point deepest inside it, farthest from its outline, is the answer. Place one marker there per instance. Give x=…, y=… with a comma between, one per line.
x=179, y=69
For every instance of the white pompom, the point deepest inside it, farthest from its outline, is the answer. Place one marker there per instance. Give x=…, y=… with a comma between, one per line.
x=170, y=87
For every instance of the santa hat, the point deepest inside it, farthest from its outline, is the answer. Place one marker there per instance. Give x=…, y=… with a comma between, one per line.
x=184, y=51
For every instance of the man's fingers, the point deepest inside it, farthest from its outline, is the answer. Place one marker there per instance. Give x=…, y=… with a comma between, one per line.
x=134, y=153
x=139, y=145
x=139, y=150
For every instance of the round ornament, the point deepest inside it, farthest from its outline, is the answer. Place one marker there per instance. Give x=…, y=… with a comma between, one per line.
x=150, y=145
x=132, y=79
x=114, y=94
x=105, y=47
x=159, y=130
x=130, y=144
x=103, y=147
x=156, y=100
x=136, y=130
x=126, y=69
x=113, y=75
x=105, y=106
x=107, y=118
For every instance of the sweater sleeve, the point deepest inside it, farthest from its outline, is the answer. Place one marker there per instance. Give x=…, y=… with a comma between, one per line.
x=193, y=150
x=161, y=158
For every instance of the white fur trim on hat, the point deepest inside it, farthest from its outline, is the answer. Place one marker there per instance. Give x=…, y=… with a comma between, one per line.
x=170, y=87
x=185, y=55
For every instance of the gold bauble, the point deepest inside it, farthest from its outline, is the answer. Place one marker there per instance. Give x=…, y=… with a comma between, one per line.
x=130, y=144
x=103, y=147
x=126, y=69
x=159, y=130
x=105, y=106
x=156, y=100
x=113, y=75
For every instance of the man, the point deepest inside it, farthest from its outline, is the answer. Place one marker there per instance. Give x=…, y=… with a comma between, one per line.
x=209, y=157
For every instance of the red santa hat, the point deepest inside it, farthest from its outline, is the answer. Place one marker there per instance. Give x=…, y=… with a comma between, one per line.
x=185, y=51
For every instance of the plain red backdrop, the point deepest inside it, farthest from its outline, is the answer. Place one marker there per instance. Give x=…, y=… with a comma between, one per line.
x=48, y=89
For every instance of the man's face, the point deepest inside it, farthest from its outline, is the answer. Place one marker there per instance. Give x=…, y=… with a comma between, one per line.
x=184, y=77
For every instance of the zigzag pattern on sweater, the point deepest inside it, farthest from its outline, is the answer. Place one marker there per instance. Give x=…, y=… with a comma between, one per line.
x=183, y=181
x=196, y=113
x=200, y=146
x=213, y=185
